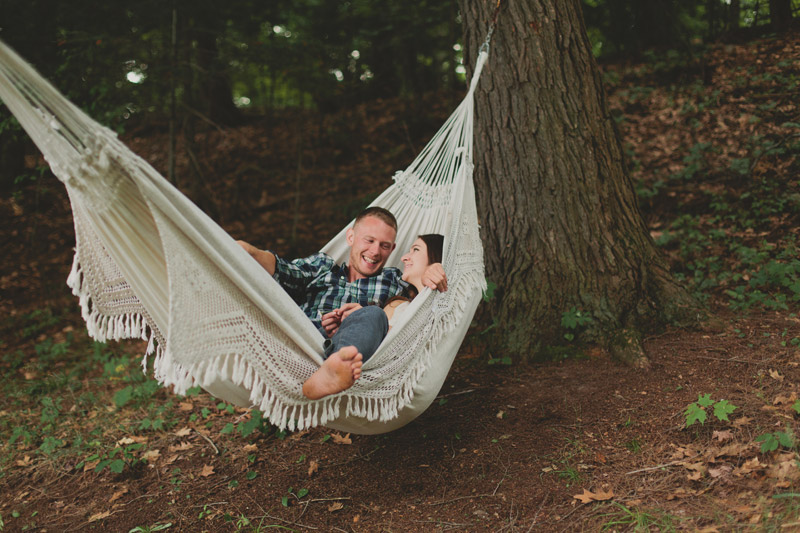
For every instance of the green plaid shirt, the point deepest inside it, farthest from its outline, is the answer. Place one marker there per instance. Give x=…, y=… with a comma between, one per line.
x=319, y=285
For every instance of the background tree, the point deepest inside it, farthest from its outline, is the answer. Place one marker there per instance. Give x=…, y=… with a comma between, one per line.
x=561, y=224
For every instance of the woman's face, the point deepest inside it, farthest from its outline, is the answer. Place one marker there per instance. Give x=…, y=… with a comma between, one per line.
x=415, y=262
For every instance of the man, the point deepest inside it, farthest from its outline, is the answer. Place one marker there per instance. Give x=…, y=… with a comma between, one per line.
x=323, y=290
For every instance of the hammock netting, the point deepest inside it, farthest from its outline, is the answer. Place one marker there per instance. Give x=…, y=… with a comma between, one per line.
x=149, y=264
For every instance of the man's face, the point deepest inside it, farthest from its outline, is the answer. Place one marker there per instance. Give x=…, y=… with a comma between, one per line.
x=371, y=242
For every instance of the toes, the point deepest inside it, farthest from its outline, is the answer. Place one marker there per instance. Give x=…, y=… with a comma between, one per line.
x=348, y=352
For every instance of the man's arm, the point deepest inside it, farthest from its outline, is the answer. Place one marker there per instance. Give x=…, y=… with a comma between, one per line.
x=265, y=259
x=435, y=278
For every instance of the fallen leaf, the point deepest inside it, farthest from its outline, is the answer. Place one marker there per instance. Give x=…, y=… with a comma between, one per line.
x=313, y=466
x=699, y=467
x=117, y=495
x=338, y=439
x=99, y=516
x=749, y=466
x=774, y=374
x=125, y=441
x=171, y=459
x=183, y=432
x=695, y=477
x=300, y=434
x=782, y=399
x=335, y=506
x=729, y=450
x=356, y=518
x=250, y=448
x=183, y=446
x=741, y=421
x=207, y=470
x=600, y=458
x=678, y=493
x=719, y=472
x=501, y=415
x=784, y=467
x=722, y=436
x=151, y=456
x=90, y=465
x=589, y=496
x=25, y=461
x=186, y=406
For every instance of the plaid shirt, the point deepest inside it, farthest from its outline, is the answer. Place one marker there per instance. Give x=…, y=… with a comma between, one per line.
x=319, y=285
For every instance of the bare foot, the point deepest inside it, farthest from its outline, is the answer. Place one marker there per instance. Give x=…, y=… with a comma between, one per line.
x=339, y=371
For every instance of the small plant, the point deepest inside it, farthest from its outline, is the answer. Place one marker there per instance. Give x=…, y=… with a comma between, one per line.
x=150, y=529
x=697, y=411
x=300, y=494
x=637, y=519
x=573, y=320
x=504, y=360
x=634, y=445
x=771, y=441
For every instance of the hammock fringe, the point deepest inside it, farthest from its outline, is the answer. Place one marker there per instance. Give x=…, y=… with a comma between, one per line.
x=239, y=371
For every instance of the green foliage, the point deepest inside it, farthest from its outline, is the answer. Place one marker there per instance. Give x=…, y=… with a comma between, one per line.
x=503, y=360
x=151, y=529
x=698, y=411
x=301, y=493
x=622, y=517
x=695, y=160
x=771, y=441
x=116, y=459
x=574, y=321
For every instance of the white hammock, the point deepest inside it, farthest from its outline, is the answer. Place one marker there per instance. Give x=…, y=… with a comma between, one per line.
x=149, y=264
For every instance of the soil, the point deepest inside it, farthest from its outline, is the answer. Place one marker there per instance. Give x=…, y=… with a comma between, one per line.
x=576, y=444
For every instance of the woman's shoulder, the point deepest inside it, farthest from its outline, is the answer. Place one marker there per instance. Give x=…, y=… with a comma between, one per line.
x=395, y=302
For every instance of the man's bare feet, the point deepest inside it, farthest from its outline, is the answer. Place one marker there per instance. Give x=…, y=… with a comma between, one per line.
x=339, y=371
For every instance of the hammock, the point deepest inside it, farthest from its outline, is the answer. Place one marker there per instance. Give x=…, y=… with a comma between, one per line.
x=149, y=264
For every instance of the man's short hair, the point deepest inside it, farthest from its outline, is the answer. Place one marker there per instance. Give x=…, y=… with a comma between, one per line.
x=380, y=213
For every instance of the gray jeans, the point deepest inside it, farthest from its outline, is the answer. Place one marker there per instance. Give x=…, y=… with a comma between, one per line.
x=364, y=328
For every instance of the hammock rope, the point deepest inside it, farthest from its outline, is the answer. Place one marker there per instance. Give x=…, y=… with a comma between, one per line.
x=149, y=264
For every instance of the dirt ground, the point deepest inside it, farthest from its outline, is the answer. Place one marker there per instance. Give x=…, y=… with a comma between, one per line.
x=579, y=444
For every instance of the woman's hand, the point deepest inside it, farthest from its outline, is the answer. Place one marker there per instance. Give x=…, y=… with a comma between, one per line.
x=435, y=278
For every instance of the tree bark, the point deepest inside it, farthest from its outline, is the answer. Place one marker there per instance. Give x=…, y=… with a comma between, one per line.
x=561, y=223
x=734, y=14
x=213, y=90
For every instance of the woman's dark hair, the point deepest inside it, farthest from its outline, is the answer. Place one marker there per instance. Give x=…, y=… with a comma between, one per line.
x=435, y=244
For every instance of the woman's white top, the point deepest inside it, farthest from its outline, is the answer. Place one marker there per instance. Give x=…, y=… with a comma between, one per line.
x=398, y=311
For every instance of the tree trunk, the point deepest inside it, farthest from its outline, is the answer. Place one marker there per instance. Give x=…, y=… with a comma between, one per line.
x=560, y=218
x=214, y=94
x=734, y=14
x=780, y=15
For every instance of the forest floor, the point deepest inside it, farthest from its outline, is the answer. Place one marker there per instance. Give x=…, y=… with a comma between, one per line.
x=583, y=443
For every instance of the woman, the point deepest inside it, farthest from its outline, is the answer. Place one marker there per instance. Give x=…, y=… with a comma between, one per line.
x=348, y=348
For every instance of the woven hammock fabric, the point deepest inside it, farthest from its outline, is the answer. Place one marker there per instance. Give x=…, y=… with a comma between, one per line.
x=149, y=264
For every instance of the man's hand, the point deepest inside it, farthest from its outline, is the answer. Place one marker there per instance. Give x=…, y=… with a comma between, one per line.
x=265, y=259
x=435, y=278
x=331, y=321
x=347, y=309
